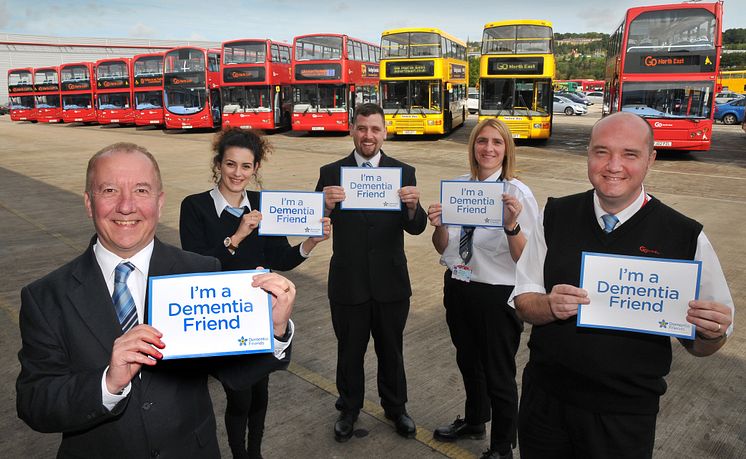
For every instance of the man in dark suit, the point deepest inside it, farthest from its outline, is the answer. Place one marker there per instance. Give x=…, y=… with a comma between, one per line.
x=98, y=378
x=369, y=285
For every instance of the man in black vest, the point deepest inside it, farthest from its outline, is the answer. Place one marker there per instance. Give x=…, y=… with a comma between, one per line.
x=590, y=392
x=369, y=285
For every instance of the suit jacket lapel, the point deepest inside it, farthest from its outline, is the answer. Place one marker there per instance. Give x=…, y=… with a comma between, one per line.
x=91, y=298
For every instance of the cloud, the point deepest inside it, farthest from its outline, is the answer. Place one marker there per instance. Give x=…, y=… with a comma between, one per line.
x=140, y=30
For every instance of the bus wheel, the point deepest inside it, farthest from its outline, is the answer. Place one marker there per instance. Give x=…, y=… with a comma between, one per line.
x=730, y=118
x=569, y=111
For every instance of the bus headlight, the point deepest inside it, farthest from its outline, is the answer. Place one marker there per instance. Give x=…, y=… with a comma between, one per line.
x=430, y=122
x=537, y=125
x=389, y=123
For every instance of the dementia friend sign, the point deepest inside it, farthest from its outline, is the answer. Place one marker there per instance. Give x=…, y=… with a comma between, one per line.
x=472, y=203
x=291, y=213
x=208, y=314
x=647, y=295
x=371, y=188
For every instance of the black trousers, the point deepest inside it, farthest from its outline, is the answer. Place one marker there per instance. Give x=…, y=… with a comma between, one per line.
x=551, y=429
x=486, y=333
x=353, y=326
x=246, y=408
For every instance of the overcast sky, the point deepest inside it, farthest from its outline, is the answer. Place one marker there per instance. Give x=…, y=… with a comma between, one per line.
x=283, y=19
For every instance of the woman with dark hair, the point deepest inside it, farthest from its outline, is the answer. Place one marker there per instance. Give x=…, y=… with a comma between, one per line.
x=221, y=223
x=480, y=277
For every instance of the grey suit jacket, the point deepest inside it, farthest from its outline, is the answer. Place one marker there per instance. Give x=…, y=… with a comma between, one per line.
x=68, y=327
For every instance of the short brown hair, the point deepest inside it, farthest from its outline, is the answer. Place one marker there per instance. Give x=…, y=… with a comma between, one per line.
x=508, y=166
x=125, y=147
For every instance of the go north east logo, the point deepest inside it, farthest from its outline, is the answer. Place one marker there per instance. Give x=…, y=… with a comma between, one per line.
x=242, y=341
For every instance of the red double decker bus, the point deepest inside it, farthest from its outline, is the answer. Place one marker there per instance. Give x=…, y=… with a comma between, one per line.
x=255, y=84
x=114, y=91
x=78, y=92
x=191, y=88
x=21, y=94
x=332, y=73
x=662, y=63
x=47, y=94
x=147, y=71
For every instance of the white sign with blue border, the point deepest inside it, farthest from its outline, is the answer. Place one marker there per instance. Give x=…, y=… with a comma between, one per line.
x=646, y=295
x=472, y=203
x=210, y=314
x=291, y=213
x=371, y=188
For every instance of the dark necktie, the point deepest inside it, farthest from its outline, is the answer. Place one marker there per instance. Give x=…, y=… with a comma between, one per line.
x=464, y=245
x=367, y=164
x=124, y=304
x=610, y=222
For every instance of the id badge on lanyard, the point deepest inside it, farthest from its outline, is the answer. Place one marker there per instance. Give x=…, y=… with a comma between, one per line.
x=462, y=273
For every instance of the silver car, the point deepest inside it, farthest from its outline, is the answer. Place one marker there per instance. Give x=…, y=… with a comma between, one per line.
x=473, y=102
x=563, y=104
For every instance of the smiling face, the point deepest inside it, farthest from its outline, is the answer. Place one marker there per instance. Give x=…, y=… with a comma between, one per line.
x=368, y=134
x=489, y=151
x=125, y=201
x=236, y=170
x=619, y=157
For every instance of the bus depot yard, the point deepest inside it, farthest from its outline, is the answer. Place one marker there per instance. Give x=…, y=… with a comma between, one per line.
x=44, y=224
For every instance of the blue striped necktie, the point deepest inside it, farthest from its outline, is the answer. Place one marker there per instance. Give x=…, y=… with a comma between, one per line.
x=235, y=211
x=465, y=243
x=610, y=222
x=124, y=304
x=367, y=164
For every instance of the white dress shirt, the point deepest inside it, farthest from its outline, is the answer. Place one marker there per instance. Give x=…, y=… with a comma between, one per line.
x=221, y=203
x=491, y=262
x=530, y=267
x=374, y=161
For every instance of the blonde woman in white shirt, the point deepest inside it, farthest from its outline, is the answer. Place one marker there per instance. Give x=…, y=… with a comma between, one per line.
x=479, y=279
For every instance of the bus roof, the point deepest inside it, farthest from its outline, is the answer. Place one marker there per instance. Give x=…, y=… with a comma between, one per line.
x=20, y=69
x=426, y=30
x=263, y=40
x=672, y=6
x=333, y=35
x=144, y=55
x=77, y=64
x=538, y=22
x=113, y=59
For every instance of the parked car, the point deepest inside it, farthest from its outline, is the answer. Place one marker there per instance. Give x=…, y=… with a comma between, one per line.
x=731, y=112
x=576, y=97
x=727, y=96
x=563, y=104
x=473, y=103
x=596, y=97
x=4, y=109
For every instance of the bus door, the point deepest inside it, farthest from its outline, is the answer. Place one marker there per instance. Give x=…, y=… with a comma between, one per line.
x=351, y=104
x=277, y=106
x=446, y=96
x=215, y=106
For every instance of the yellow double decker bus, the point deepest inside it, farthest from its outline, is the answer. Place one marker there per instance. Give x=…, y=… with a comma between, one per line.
x=423, y=81
x=516, y=70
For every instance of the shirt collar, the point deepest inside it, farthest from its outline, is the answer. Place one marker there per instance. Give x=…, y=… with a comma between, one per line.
x=623, y=215
x=494, y=177
x=220, y=202
x=374, y=161
x=108, y=261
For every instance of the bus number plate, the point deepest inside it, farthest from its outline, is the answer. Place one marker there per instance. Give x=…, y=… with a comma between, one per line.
x=662, y=143
x=186, y=126
x=409, y=132
x=516, y=136
x=317, y=128
x=154, y=121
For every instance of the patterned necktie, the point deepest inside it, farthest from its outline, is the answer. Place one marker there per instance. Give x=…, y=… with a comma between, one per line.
x=464, y=244
x=124, y=304
x=367, y=164
x=235, y=211
x=610, y=222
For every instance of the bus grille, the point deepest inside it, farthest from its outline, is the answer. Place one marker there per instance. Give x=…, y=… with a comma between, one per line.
x=518, y=128
x=410, y=124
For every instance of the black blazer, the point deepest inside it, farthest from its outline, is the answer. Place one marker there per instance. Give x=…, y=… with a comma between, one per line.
x=368, y=261
x=203, y=232
x=68, y=327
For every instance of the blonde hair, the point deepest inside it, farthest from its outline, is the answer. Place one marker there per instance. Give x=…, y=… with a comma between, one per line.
x=508, y=166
